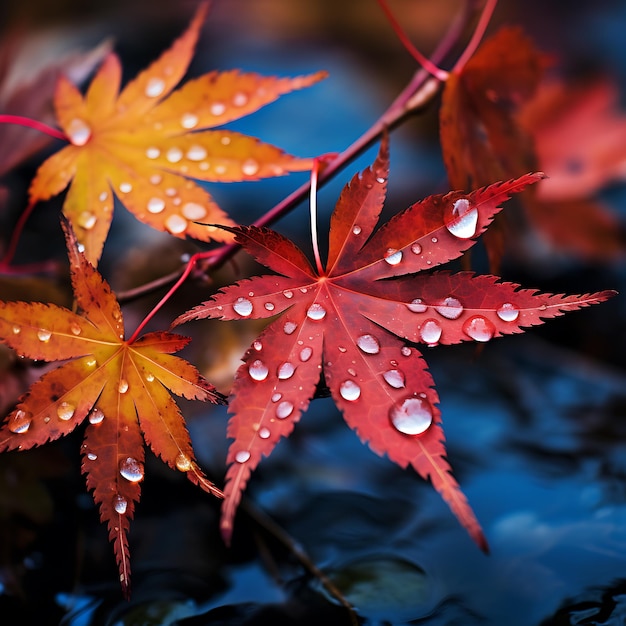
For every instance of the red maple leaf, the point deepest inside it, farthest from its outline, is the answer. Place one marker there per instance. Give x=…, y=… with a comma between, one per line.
x=351, y=324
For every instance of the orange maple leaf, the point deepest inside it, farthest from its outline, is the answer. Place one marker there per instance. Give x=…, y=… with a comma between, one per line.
x=145, y=145
x=119, y=386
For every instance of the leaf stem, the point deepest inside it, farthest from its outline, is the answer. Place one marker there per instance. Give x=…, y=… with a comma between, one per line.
x=313, y=214
x=479, y=31
x=34, y=124
x=16, y=235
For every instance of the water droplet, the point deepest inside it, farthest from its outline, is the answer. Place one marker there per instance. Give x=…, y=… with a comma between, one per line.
x=368, y=344
x=96, y=416
x=20, y=422
x=257, y=345
x=269, y=306
x=149, y=377
x=183, y=462
x=154, y=87
x=288, y=294
x=153, y=152
x=276, y=397
x=406, y=351
x=316, y=312
x=306, y=353
x=189, y=120
x=196, y=153
x=126, y=187
x=65, y=411
x=91, y=362
x=450, y=308
x=76, y=329
x=430, y=332
x=78, y=132
x=16, y=330
x=342, y=349
x=218, y=108
x=131, y=469
x=412, y=417
x=464, y=219
x=349, y=390
x=380, y=179
x=356, y=230
x=155, y=205
x=508, y=312
x=289, y=328
x=264, y=433
x=394, y=378
x=249, y=167
x=92, y=456
x=176, y=224
x=156, y=179
x=284, y=409
x=258, y=370
x=417, y=306
x=286, y=371
x=242, y=456
x=123, y=386
x=479, y=328
x=393, y=256
x=243, y=307
x=352, y=371
x=193, y=211
x=174, y=155
x=240, y=99
x=86, y=220
x=416, y=248
x=434, y=239
x=120, y=504
x=44, y=335
x=103, y=196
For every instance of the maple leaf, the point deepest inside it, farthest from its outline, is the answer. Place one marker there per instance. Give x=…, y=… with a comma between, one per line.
x=146, y=144
x=351, y=325
x=120, y=388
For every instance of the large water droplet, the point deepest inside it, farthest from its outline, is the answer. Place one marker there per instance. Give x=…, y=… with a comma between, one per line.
x=356, y=230
x=416, y=248
x=288, y=293
x=65, y=411
x=368, y=344
x=131, y=469
x=430, y=332
x=75, y=329
x=276, y=397
x=217, y=108
x=20, y=422
x=257, y=345
x=123, y=386
x=44, y=335
x=196, y=153
x=316, y=312
x=464, y=219
x=242, y=456
x=249, y=167
x=306, y=353
x=412, y=416
x=393, y=256
x=264, y=433
x=120, y=504
x=78, y=132
x=126, y=187
x=153, y=152
x=269, y=306
x=289, y=328
x=154, y=87
x=508, y=312
x=479, y=328
x=286, y=370
x=155, y=205
x=96, y=416
x=417, y=306
x=450, y=308
x=183, y=462
x=258, y=370
x=284, y=409
x=406, y=351
x=189, y=120
x=243, y=307
x=176, y=224
x=349, y=390
x=86, y=220
x=174, y=155
x=394, y=378
x=193, y=211
x=92, y=456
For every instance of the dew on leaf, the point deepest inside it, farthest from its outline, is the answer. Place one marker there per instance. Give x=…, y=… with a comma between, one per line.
x=413, y=416
x=196, y=153
x=96, y=416
x=316, y=312
x=368, y=344
x=394, y=378
x=76, y=329
x=257, y=345
x=288, y=294
x=434, y=239
x=92, y=456
x=123, y=386
x=464, y=219
x=20, y=422
x=450, y=308
x=508, y=312
x=430, y=332
x=189, y=120
x=86, y=220
x=286, y=370
x=249, y=167
x=393, y=256
x=153, y=152
x=284, y=409
x=154, y=87
x=126, y=187
x=65, y=411
x=243, y=307
x=149, y=377
x=193, y=211
x=131, y=469
x=356, y=230
x=91, y=362
x=176, y=224
x=349, y=390
x=44, y=335
x=16, y=330
x=78, y=132
x=242, y=456
x=264, y=433
x=155, y=205
x=289, y=328
x=380, y=179
x=351, y=371
x=269, y=306
x=103, y=196
x=183, y=462
x=120, y=504
x=276, y=397
x=258, y=370
x=218, y=108
x=479, y=328
x=406, y=351
x=240, y=99
x=417, y=306
x=174, y=155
